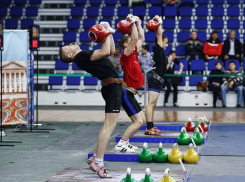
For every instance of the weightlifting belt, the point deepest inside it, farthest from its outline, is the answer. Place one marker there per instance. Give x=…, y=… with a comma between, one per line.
x=156, y=76
x=108, y=81
x=125, y=86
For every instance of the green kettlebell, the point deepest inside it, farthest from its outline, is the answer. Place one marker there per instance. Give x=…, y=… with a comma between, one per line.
x=128, y=178
x=160, y=156
x=147, y=177
x=197, y=137
x=183, y=138
x=145, y=156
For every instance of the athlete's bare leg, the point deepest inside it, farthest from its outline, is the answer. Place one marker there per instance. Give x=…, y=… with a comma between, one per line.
x=152, y=101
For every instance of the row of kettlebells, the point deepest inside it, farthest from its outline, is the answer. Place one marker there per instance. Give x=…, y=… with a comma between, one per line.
x=184, y=138
x=160, y=156
x=166, y=176
x=201, y=123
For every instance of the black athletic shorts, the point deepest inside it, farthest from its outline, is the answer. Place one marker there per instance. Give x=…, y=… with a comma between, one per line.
x=130, y=104
x=112, y=95
x=154, y=85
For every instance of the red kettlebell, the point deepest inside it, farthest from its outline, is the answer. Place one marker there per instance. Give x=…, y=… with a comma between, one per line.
x=124, y=26
x=152, y=25
x=98, y=33
x=204, y=126
x=190, y=126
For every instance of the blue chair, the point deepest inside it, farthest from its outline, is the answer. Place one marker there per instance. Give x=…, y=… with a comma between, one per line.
x=201, y=23
x=84, y=37
x=243, y=64
x=3, y=11
x=77, y=11
x=193, y=81
x=211, y=64
x=202, y=36
x=69, y=37
x=217, y=11
x=73, y=23
x=184, y=62
x=151, y=47
x=170, y=36
x=32, y=11
x=107, y=20
x=110, y=2
x=169, y=23
x=229, y=60
x=93, y=11
x=170, y=11
x=185, y=11
x=156, y=2
x=202, y=2
x=233, y=2
x=217, y=23
x=150, y=36
x=35, y=2
x=117, y=36
x=197, y=65
x=155, y=10
x=168, y=49
x=108, y=11
x=185, y=23
x=74, y=67
x=237, y=35
x=202, y=11
x=80, y=2
x=95, y=2
x=25, y=23
x=73, y=83
x=218, y=2
x=89, y=22
x=16, y=11
x=139, y=11
x=123, y=11
x=183, y=36
x=190, y=1
x=124, y=2
x=233, y=23
x=55, y=83
x=180, y=50
x=84, y=47
x=59, y=65
x=20, y=2
x=90, y=83
x=5, y=2
x=11, y=23
x=233, y=11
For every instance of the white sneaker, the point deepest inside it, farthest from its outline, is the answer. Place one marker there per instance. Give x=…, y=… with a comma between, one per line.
x=3, y=133
x=124, y=148
x=132, y=146
x=166, y=104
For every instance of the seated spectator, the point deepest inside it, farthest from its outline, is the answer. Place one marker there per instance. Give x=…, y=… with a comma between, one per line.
x=212, y=48
x=232, y=84
x=145, y=58
x=216, y=82
x=170, y=2
x=115, y=60
x=171, y=81
x=193, y=47
x=232, y=48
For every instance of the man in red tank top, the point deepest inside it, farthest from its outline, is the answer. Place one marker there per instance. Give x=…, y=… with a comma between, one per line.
x=132, y=76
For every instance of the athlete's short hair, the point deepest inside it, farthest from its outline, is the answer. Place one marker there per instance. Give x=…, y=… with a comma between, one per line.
x=122, y=40
x=64, y=56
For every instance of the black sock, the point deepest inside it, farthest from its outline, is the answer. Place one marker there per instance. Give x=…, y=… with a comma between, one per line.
x=150, y=125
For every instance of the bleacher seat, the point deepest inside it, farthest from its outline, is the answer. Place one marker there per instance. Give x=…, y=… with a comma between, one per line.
x=80, y=2
x=88, y=22
x=11, y=23
x=95, y=2
x=184, y=62
x=84, y=47
x=110, y=2
x=151, y=47
x=155, y=10
x=233, y=23
x=108, y=11
x=233, y=11
x=185, y=23
x=193, y=81
x=220, y=36
x=124, y=2
x=168, y=49
x=31, y=11
x=69, y=37
x=117, y=36
x=237, y=35
x=73, y=83
x=180, y=50
x=139, y=11
x=243, y=65
x=170, y=36
x=217, y=23
x=25, y=23
x=35, y=2
x=123, y=11
x=218, y=2
x=183, y=36
x=202, y=11
x=217, y=11
x=197, y=65
x=156, y=2
x=169, y=23
x=185, y=11
x=77, y=11
x=84, y=37
x=93, y=11
x=20, y=2
x=74, y=67
x=96, y=47
x=73, y=23
x=202, y=36
x=150, y=37
x=16, y=11
x=90, y=83
x=190, y=1
x=61, y=67
x=170, y=11
x=201, y=23
x=55, y=83
x=211, y=64
x=233, y=1
x=107, y=20
x=3, y=11
x=229, y=60
x=202, y=2
x=5, y=2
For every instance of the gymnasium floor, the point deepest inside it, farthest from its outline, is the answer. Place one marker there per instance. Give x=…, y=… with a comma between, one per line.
x=43, y=155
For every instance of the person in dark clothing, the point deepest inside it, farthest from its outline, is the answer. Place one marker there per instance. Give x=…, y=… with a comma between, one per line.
x=232, y=48
x=168, y=81
x=215, y=82
x=193, y=47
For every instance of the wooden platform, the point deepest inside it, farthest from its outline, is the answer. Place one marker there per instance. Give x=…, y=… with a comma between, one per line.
x=85, y=175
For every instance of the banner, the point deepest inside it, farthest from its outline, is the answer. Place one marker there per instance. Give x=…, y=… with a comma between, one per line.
x=14, y=88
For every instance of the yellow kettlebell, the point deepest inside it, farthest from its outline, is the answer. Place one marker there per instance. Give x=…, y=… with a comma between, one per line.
x=167, y=176
x=175, y=155
x=191, y=156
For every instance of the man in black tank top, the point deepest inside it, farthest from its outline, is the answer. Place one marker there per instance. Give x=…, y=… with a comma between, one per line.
x=96, y=63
